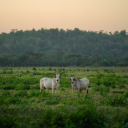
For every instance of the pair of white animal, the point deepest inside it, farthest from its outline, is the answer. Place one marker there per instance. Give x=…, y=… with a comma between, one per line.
x=48, y=83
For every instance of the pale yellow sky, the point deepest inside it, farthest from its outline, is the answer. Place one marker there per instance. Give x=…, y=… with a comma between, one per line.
x=93, y=15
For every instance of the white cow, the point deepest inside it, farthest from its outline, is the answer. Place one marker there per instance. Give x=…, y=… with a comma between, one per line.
x=81, y=84
x=49, y=83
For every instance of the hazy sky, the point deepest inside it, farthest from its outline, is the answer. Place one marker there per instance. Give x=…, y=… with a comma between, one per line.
x=93, y=15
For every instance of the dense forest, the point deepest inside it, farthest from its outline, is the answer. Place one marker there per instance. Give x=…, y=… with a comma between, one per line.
x=54, y=47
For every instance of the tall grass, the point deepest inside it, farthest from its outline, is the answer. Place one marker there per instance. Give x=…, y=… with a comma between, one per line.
x=22, y=104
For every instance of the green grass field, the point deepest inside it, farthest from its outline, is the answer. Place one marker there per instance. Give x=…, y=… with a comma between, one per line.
x=22, y=104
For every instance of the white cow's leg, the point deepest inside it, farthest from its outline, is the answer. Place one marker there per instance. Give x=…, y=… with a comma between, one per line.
x=52, y=90
x=41, y=86
x=56, y=90
x=86, y=91
x=78, y=90
x=72, y=90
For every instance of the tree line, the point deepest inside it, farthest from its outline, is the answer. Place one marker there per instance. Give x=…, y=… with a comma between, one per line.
x=54, y=47
x=61, y=59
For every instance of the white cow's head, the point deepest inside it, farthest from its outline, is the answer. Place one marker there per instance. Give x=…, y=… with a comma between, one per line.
x=72, y=80
x=57, y=76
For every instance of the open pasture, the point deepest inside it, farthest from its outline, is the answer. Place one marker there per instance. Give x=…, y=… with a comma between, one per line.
x=22, y=104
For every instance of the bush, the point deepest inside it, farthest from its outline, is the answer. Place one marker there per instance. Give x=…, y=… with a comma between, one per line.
x=33, y=93
x=34, y=68
x=64, y=83
x=107, y=81
x=115, y=100
x=99, y=76
x=21, y=93
x=1, y=100
x=12, y=100
x=44, y=94
x=97, y=82
x=51, y=101
x=9, y=87
x=113, y=86
x=126, y=94
x=30, y=81
x=50, y=69
x=82, y=101
x=96, y=88
x=35, y=87
x=101, y=89
x=121, y=86
x=22, y=87
x=6, y=93
x=36, y=73
x=6, y=72
x=106, y=89
x=7, y=121
x=49, y=74
x=27, y=72
x=83, y=117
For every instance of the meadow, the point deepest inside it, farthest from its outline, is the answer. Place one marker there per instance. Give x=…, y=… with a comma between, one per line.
x=22, y=104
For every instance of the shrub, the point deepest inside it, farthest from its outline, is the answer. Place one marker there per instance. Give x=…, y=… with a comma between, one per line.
x=106, y=89
x=9, y=87
x=83, y=117
x=49, y=74
x=51, y=101
x=106, y=82
x=99, y=76
x=1, y=100
x=125, y=76
x=121, y=86
x=50, y=69
x=7, y=121
x=6, y=93
x=36, y=73
x=63, y=73
x=30, y=81
x=33, y=93
x=96, y=88
x=64, y=83
x=12, y=100
x=35, y=87
x=113, y=86
x=103, y=90
x=62, y=89
x=9, y=72
x=3, y=72
x=21, y=93
x=82, y=101
x=34, y=68
x=44, y=94
x=21, y=86
x=97, y=82
x=115, y=100
x=27, y=72
x=126, y=94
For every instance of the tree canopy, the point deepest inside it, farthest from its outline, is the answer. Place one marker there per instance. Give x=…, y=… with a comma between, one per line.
x=56, y=47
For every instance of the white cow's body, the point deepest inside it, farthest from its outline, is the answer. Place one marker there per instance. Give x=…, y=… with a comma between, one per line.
x=81, y=84
x=49, y=83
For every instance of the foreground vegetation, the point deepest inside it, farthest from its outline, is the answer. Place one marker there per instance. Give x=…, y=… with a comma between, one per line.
x=22, y=104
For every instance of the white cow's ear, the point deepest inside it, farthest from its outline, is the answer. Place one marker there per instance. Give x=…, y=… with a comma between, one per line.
x=55, y=75
x=75, y=79
x=70, y=80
